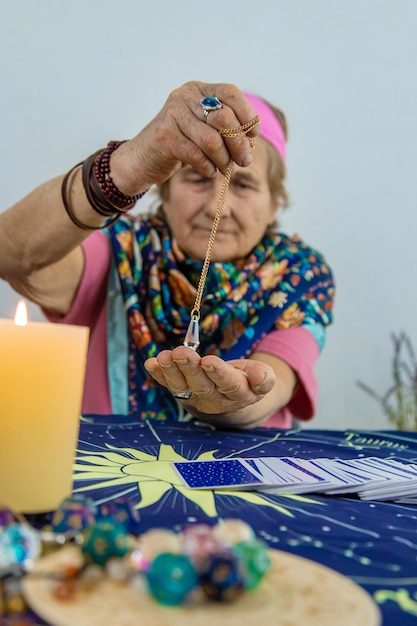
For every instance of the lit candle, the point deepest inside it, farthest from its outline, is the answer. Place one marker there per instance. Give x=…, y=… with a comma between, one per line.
x=42, y=368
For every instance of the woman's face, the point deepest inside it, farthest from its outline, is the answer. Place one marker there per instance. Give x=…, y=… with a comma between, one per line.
x=249, y=209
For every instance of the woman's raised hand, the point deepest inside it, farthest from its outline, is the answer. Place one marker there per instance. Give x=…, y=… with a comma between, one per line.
x=183, y=134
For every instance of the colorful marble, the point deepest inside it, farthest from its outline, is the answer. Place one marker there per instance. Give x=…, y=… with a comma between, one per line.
x=199, y=542
x=104, y=540
x=74, y=513
x=7, y=517
x=231, y=531
x=155, y=541
x=223, y=578
x=122, y=510
x=19, y=543
x=255, y=559
x=170, y=578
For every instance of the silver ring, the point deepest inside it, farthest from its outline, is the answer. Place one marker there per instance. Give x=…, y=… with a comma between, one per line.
x=185, y=395
x=210, y=103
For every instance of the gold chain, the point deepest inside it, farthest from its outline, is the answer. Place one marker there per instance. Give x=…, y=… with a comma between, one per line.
x=239, y=130
x=224, y=132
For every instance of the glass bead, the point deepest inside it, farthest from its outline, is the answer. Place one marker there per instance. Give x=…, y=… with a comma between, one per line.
x=256, y=561
x=7, y=517
x=198, y=542
x=90, y=576
x=74, y=513
x=231, y=531
x=15, y=604
x=137, y=561
x=12, y=598
x=19, y=543
x=105, y=539
x=64, y=589
x=122, y=510
x=158, y=540
x=170, y=578
x=117, y=570
x=223, y=577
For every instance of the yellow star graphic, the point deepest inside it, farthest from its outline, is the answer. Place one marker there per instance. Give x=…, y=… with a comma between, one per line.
x=155, y=476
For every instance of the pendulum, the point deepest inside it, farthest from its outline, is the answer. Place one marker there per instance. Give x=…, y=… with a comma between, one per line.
x=192, y=336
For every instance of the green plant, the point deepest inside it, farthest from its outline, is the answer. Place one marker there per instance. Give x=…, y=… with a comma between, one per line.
x=399, y=402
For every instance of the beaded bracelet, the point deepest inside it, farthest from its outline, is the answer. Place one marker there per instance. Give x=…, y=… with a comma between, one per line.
x=102, y=194
x=102, y=183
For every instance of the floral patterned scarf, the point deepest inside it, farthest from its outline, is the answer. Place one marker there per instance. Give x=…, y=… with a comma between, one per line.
x=282, y=283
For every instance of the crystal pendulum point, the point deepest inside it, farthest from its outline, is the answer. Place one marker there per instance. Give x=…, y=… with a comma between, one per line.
x=192, y=336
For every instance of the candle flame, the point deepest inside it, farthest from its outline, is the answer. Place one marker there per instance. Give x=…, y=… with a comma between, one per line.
x=21, y=317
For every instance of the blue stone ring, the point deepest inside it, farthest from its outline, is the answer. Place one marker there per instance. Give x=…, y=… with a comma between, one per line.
x=210, y=103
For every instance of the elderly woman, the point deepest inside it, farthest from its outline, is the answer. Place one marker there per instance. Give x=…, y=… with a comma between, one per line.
x=267, y=298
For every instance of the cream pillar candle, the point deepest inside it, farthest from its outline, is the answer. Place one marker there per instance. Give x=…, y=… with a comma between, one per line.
x=42, y=369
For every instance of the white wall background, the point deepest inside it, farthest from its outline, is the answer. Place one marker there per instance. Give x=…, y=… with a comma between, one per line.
x=76, y=74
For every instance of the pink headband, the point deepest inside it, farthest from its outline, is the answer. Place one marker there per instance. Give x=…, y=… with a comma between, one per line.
x=271, y=129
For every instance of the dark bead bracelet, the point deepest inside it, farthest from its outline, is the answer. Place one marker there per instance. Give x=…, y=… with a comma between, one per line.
x=102, y=194
x=102, y=183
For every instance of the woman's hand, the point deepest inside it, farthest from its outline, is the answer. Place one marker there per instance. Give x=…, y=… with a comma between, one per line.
x=178, y=135
x=223, y=393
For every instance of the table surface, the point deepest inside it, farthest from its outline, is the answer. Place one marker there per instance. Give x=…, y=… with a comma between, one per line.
x=373, y=543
